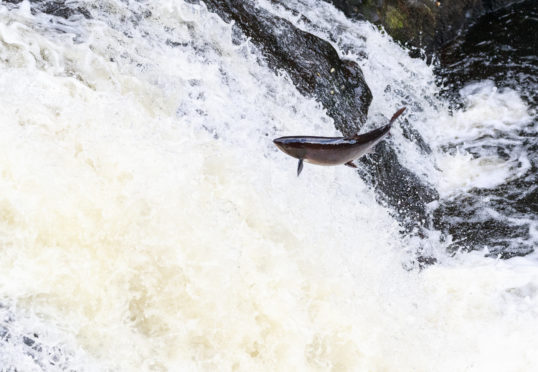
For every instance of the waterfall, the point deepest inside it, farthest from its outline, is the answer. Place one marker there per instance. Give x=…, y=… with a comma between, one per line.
x=147, y=221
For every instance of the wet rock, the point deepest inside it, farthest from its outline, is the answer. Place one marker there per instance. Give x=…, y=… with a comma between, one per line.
x=425, y=261
x=420, y=24
x=398, y=187
x=62, y=9
x=471, y=227
x=312, y=63
x=58, y=8
x=501, y=38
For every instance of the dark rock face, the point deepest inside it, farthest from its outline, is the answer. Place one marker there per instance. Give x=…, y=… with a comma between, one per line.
x=410, y=22
x=312, y=63
x=507, y=32
x=424, y=24
x=398, y=187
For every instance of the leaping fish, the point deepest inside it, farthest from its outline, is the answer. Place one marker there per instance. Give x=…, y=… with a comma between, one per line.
x=332, y=150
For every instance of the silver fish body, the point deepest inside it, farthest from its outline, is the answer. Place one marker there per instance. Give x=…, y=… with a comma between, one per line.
x=332, y=150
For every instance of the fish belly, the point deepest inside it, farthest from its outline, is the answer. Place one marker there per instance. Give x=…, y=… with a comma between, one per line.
x=330, y=157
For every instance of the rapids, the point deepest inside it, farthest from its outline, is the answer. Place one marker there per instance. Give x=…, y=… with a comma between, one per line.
x=147, y=222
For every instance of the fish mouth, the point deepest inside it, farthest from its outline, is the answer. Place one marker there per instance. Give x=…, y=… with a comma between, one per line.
x=279, y=142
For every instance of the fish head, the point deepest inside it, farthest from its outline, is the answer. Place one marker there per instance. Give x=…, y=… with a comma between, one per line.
x=291, y=146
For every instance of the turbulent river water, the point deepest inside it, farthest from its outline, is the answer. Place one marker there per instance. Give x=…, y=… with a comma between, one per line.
x=147, y=222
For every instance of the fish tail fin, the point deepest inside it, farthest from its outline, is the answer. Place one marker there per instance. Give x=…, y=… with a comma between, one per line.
x=396, y=114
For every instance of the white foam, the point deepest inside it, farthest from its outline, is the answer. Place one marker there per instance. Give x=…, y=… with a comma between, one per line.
x=487, y=110
x=489, y=118
x=462, y=172
x=145, y=211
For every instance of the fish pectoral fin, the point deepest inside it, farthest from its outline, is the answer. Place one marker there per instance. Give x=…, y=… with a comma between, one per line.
x=351, y=164
x=299, y=167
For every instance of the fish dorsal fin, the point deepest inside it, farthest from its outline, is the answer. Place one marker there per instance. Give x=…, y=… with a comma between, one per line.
x=382, y=129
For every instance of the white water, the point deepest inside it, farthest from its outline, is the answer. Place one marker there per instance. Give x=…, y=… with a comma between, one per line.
x=148, y=223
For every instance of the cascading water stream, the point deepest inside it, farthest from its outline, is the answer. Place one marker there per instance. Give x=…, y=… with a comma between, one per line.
x=147, y=222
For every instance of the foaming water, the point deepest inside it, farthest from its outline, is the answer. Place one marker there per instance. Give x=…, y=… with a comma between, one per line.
x=468, y=139
x=148, y=223
x=497, y=123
